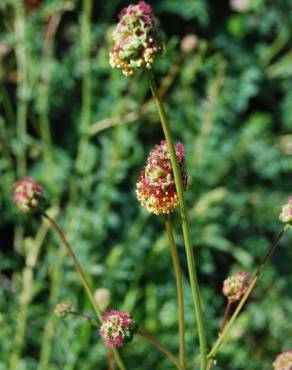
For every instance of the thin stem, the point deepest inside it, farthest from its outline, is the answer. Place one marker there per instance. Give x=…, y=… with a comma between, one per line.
x=84, y=281
x=210, y=364
x=161, y=348
x=110, y=359
x=257, y=275
x=226, y=315
x=26, y=296
x=184, y=220
x=86, y=317
x=22, y=85
x=85, y=32
x=179, y=288
x=44, y=84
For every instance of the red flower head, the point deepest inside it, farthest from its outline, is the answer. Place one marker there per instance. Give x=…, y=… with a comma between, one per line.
x=136, y=39
x=156, y=187
x=236, y=285
x=118, y=328
x=28, y=195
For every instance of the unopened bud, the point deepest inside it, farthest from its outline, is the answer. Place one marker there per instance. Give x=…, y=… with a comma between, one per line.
x=63, y=309
x=102, y=297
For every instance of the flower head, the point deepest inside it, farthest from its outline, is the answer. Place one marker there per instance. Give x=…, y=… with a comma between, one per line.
x=236, y=285
x=28, y=195
x=136, y=39
x=189, y=43
x=102, y=297
x=283, y=361
x=156, y=187
x=286, y=213
x=63, y=309
x=118, y=328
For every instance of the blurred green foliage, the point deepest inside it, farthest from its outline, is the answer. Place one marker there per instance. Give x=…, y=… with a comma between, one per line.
x=75, y=125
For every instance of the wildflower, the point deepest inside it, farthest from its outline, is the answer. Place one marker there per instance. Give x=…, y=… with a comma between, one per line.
x=118, y=328
x=189, y=43
x=156, y=187
x=286, y=213
x=236, y=285
x=240, y=6
x=136, y=39
x=102, y=297
x=28, y=195
x=283, y=361
x=63, y=309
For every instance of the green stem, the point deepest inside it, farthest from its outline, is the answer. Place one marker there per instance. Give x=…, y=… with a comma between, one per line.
x=44, y=83
x=257, y=275
x=184, y=220
x=179, y=288
x=86, y=82
x=84, y=281
x=22, y=86
x=86, y=317
x=27, y=279
x=210, y=364
x=161, y=348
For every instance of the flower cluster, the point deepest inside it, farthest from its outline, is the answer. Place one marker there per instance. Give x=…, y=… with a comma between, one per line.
x=136, y=39
x=28, y=195
x=236, y=285
x=118, y=328
x=286, y=213
x=283, y=361
x=156, y=187
x=63, y=309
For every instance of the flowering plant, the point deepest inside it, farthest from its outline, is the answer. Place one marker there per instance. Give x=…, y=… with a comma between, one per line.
x=118, y=328
x=161, y=188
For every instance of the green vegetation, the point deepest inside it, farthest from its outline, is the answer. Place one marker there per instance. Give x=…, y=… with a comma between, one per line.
x=84, y=131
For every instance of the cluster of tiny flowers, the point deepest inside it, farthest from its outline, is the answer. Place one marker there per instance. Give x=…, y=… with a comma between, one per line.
x=283, y=361
x=156, y=187
x=236, y=285
x=136, y=39
x=286, y=213
x=28, y=195
x=118, y=328
x=63, y=309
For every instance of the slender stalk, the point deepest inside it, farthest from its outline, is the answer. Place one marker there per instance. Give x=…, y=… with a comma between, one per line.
x=44, y=84
x=22, y=85
x=110, y=359
x=257, y=275
x=86, y=317
x=22, y=92
x=84, y=281
x=179, y=288
x=49, y=329
x=33, y=251
x=226, y=315
x=210, y=364
x=184, y=220
x=161, y=348
x=85, y=121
